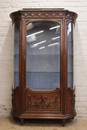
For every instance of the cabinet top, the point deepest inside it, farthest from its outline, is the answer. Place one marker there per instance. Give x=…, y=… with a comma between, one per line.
x=43, y=13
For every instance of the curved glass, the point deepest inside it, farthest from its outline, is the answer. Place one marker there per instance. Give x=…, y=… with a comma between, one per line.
x=70, y=55
x=43, y=55
x=16, y=55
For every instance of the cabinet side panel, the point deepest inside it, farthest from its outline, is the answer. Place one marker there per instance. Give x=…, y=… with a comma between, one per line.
x=15, y=102
x=70, y=108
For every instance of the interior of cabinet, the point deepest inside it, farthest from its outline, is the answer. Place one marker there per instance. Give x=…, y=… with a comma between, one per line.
x=16, y=55
x=70, y=55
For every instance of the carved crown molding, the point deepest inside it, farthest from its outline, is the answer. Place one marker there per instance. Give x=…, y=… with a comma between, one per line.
x=43, y=14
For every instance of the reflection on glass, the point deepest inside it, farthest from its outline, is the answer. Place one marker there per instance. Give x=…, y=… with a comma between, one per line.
x=70, y=55
x=43, y=55
x=16, y=55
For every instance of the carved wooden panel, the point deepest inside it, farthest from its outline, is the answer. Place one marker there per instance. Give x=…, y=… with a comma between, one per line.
x=43, y=101
x=15, y=101
x=70, y=101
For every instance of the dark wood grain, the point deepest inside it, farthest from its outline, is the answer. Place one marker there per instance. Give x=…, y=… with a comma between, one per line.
x=54, y=104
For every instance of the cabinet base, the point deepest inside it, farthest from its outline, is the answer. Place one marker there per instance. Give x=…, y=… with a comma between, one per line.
x=61, y=117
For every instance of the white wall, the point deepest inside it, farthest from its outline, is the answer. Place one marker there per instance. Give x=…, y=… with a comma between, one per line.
x=80, y=49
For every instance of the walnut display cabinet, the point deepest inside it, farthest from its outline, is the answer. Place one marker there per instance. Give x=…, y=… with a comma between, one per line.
x=43, y=64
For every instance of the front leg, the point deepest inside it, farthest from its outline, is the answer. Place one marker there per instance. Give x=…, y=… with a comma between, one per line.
x=63, y=122
x=22, y=121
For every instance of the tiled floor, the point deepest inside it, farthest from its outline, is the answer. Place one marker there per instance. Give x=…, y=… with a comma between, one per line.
x=10, y=124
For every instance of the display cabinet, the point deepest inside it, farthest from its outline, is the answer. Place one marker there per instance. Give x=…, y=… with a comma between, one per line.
x=43, y=64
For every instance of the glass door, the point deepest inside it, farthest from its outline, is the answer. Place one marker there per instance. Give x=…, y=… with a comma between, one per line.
x=43, y=55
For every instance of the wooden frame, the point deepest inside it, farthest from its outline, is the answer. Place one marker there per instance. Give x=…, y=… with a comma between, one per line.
x=63, y=99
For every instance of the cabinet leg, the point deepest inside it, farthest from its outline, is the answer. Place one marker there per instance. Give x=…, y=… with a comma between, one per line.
x=22, y=121
x=63, y=122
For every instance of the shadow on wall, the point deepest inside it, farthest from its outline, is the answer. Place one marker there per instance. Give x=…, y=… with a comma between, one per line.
x=80, y=67
x=6, y=70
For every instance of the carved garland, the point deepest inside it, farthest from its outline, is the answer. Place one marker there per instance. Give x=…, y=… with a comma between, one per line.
x=42, y=104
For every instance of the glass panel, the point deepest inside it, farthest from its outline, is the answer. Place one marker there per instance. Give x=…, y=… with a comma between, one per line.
x=70, y=55
x=43, y=55
x=16, y=55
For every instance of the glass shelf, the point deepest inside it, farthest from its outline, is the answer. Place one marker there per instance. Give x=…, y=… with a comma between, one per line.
x=70, y=79
x=16, y=77
x=47, y=63
x=16, y=62
x=43, y=80
x=16, y=54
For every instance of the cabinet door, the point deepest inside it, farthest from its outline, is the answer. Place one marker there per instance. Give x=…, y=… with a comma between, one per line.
x=43, y=55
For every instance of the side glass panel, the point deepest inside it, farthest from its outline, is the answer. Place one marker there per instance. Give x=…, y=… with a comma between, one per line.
x=70, y=55
x=16, y=55
x=43, y=55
